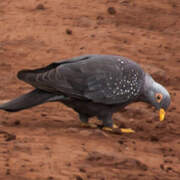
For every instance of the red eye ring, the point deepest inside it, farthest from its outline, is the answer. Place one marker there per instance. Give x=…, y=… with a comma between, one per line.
x=159, y=97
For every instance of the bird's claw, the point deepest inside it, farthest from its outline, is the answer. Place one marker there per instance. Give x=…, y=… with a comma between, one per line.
x=118, y=130
x=115, y=126
x=88, y=125
x=106, y=128
x=127, y=130
x=109, y=129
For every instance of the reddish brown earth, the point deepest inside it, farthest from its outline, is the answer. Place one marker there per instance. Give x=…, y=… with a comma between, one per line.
x=47, y=142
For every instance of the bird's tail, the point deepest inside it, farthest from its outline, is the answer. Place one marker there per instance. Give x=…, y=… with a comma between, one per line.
x=28, y=100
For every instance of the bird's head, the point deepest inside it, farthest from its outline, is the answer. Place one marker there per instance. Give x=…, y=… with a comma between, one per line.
x=156, y=95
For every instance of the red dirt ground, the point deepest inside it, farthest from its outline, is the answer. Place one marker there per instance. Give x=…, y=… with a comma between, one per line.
x=47, y=142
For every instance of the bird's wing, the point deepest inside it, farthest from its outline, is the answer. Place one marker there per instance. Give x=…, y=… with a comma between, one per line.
x=100, y=78
x=52, y=77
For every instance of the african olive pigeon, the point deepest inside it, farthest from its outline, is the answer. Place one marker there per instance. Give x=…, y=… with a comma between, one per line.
x=93, y=85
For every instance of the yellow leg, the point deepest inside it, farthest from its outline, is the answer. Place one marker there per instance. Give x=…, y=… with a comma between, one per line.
x=88, y=125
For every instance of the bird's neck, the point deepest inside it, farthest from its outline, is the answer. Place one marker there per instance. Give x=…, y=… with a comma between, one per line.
x=148, y=81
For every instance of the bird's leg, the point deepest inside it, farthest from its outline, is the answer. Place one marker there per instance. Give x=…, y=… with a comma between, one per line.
x=108, y=124
x=107, y=121
x=84, y=121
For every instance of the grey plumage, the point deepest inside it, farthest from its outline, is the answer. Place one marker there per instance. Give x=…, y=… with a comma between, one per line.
x=93, y=85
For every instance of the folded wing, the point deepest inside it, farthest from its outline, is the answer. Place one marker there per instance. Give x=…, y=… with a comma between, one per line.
x=99, y=78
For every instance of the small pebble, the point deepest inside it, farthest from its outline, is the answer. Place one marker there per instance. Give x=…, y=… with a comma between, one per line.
x=17, y=122
x=8, y=172
x=82, y=170
x=50, y=178
x=111, y=10
x=154, y=139
x=10, y=137
x=79, y=178
x=40, y=7
x=121, y=142
x=68, y=31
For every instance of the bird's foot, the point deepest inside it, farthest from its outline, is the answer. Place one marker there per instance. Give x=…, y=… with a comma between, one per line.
x=123, y=130
x=88, y=125
x=127, y=130
x=115, y=126
x=109, y=129
x=106, y=128
x=117, y=130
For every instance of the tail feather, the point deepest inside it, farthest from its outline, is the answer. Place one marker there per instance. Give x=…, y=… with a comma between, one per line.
x=28, y=100
x=36, y=79
x=27, y=76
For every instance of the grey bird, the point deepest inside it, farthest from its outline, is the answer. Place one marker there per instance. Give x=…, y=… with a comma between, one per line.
x=93, y=85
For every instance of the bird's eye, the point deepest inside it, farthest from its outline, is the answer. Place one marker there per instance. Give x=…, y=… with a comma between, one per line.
x=159, y=97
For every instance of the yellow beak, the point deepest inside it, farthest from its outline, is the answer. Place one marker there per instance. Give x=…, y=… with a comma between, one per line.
x=162, y=114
